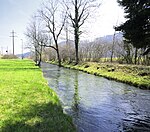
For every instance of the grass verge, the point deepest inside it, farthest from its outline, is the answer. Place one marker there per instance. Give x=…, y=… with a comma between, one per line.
x=135, y=75
x=27, y=104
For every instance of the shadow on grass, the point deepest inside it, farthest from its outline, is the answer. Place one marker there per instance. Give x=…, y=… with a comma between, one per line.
x=39, y=118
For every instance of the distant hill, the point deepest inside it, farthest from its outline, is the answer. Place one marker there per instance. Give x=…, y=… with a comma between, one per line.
x=25, y=55
x=109, y=38
x=62, y=43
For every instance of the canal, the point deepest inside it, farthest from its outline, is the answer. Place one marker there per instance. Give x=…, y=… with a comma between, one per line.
x=97, y=104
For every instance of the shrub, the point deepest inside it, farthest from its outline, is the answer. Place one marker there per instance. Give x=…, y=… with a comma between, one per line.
x=9, y=57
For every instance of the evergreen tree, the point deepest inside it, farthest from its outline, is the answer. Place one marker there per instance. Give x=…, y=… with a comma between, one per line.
x=136, y=29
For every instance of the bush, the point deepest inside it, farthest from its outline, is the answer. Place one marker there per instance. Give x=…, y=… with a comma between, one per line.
x=9, y=57
x=86, y=66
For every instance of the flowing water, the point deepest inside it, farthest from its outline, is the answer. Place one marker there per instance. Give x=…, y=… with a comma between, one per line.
x=98, y=104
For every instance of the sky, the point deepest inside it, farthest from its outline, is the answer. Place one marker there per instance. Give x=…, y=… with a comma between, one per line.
x=15, y=15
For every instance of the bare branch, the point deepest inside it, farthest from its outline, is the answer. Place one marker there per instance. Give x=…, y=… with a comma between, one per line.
x=83, y=20
x=50, y=46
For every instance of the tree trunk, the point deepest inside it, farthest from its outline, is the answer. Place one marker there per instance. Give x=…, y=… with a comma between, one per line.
x=59, y=59
x=76, y=46
x=112, y=48
x=58, y=56
x=76, y=31
x=36, y=55
x=111, y=57
x=135, y=57
x=40, y=59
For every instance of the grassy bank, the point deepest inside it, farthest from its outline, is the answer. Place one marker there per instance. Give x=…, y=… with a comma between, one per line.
x=27, y=104
x=135, y=75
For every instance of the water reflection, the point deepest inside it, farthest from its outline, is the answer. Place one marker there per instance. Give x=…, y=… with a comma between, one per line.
x=76, y=94
x=97, y=104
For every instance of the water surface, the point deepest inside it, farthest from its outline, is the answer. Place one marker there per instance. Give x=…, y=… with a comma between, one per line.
x=98, y=104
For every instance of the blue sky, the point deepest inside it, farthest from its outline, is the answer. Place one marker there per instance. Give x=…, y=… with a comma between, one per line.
x=15, y=15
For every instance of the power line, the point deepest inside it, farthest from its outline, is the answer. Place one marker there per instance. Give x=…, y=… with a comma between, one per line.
x=13, y=40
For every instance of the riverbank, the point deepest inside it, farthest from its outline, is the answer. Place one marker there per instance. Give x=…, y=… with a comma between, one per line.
x=27, y=104
x=135, y=75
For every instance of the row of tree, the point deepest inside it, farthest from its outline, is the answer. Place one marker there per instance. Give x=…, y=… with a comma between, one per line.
x=99, y=50
x=56, y=18
x=47, y=25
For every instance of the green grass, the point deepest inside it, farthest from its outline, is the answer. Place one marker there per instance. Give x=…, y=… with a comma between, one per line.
x=130, y=74
x=27, y=104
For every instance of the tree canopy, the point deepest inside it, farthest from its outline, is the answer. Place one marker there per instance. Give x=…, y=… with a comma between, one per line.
x=136, y=29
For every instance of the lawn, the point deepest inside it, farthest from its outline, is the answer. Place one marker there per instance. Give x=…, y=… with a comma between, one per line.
x=27, y=104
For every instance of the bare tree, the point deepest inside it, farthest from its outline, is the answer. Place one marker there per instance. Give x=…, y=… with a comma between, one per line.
x=78, y=17
x=112, y=48
x=37, y=40
x=51, y=14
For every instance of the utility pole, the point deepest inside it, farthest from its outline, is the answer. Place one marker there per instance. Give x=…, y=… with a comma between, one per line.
x=13, y=41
